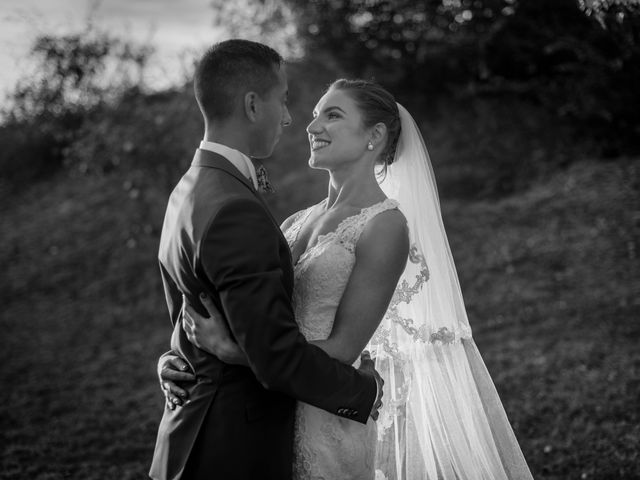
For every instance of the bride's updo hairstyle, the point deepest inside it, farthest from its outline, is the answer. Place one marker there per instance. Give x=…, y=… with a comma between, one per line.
x=376, y=105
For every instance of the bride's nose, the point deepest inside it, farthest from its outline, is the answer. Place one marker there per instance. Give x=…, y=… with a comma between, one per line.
x=313, y=127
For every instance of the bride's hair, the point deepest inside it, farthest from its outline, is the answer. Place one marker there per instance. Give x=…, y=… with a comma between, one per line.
x=377, y=105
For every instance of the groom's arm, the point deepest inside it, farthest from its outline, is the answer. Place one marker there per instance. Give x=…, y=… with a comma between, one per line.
x=240, y=256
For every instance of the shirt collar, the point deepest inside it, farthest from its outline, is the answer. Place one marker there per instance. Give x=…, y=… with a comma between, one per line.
x=236, y=157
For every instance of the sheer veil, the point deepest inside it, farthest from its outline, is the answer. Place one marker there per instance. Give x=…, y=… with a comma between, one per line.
x=442, y=417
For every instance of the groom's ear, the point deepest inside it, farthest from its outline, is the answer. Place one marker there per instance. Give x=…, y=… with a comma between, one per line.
x=251, y=105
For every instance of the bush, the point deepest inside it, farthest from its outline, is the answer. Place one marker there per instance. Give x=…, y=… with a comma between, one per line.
x=76, y=75
x=153, y=135
x=28, y=153
x=584, y=69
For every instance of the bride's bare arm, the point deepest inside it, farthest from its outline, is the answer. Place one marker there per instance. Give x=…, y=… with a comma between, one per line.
x=212, y=334
x=381, y=255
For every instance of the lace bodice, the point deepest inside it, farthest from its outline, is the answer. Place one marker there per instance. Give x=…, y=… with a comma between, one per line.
x=327, y=446
x=321, y=273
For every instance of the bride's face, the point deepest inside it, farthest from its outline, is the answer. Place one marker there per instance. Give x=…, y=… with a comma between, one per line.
x=336, y=134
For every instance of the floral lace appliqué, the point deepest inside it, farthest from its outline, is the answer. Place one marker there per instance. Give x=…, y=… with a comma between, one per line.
x=404, y=294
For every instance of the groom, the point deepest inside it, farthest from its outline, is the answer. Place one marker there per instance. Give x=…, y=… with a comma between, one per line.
x=219, y=239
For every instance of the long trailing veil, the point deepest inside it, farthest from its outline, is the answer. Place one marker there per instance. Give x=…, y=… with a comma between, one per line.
x=442, y=417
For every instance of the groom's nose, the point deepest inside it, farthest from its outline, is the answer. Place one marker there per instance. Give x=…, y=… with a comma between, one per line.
x=286, y=118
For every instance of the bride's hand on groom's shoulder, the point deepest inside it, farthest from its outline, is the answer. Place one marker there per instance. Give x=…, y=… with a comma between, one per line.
x=211, y=333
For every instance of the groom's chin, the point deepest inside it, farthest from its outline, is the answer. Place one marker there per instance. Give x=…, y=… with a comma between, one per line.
x=262, y=155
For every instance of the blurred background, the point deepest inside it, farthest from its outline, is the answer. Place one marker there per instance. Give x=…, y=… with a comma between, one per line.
x=530, y=110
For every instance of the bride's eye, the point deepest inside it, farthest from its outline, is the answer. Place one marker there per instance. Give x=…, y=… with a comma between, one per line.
x=332, y=115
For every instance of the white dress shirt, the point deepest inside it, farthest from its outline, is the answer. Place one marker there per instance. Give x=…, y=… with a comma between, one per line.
x=236, y=157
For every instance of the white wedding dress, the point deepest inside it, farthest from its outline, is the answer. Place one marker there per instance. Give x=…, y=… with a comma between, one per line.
x=442, y=418
x=326, y=446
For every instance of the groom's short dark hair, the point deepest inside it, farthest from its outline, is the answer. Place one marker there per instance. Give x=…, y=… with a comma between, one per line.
x=231, y=68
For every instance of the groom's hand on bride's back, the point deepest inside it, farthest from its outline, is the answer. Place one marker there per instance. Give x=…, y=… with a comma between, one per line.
x=367, y=365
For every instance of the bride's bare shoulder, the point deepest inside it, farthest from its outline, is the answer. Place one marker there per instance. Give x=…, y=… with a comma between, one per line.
x=386, y=235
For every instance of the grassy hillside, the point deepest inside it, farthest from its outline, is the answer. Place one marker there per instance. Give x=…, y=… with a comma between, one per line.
x=550, y=277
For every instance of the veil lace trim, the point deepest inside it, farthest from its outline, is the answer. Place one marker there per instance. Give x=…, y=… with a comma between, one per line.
x=441, y=416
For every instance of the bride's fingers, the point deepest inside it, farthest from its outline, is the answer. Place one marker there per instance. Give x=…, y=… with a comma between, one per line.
x=189, y=314
x=190, y=326
x=192, y=336
x=172, y=375
x=171, y=393
x=172, y=388
x=208, y=304
x=365, y=360
x=187, y=324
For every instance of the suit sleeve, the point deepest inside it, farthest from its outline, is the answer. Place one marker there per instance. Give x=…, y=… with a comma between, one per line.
x=172, y=295
x=240, y=255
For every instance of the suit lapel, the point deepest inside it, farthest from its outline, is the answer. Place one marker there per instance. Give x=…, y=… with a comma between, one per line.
x=206, y=158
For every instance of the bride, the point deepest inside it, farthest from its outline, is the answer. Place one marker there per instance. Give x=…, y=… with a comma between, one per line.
x=442, y=417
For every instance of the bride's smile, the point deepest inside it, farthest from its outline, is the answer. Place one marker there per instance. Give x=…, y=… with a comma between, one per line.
x=317, y=143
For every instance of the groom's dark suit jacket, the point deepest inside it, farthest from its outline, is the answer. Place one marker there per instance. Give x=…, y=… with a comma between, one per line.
x=219, y=238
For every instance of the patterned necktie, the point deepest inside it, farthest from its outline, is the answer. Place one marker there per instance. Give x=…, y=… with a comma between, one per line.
x=264, y=185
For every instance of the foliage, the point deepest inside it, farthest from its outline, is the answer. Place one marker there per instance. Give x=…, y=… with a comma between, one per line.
x=578, y=58
x=77, y=72
x=395, y=37
x=74, y=77
x=268, y=21
x=29, y=153
x=578, y=69
x=606, y=8
x=153, y=133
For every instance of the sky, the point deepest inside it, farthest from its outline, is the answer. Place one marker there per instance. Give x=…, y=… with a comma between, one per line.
x=174, y=27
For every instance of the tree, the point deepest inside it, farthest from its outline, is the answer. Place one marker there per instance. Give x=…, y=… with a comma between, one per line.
x=77, y=72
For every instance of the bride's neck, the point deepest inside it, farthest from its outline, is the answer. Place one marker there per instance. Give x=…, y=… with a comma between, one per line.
x=356, y=187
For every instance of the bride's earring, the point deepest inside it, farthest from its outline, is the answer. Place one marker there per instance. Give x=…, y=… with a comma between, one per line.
x=370, y=146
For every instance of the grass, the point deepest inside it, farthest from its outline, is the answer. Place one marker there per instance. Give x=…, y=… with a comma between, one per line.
x=550, y=277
